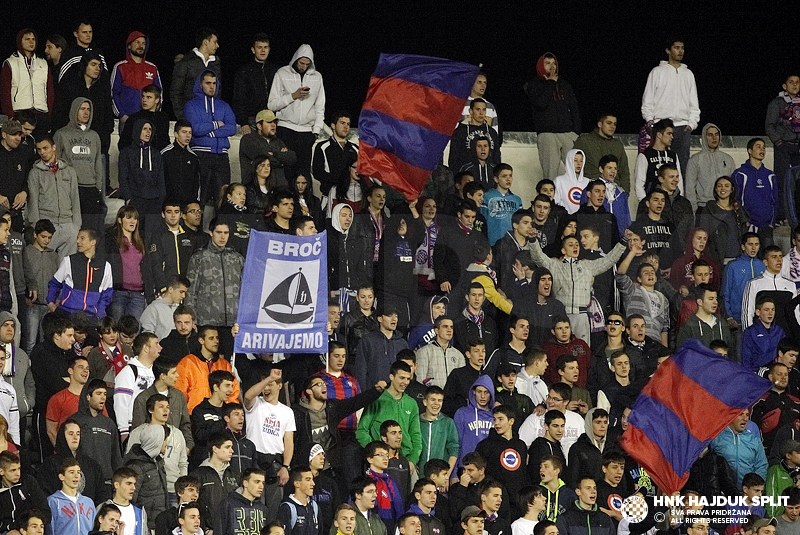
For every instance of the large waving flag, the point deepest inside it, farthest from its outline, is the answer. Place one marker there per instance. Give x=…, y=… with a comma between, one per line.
x=413, y=104
x=689, y=401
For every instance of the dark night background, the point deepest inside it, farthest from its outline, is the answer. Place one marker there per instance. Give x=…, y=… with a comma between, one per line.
x=739, y=52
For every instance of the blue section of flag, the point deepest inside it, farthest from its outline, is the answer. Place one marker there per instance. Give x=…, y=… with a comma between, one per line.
x=444, y=75
x=401, y=138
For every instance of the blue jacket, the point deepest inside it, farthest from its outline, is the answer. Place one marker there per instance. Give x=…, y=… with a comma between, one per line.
x=760, y=345
x=82, y=284
x=737, y=273
x=498, y=209
x=205, y=113
x=70, y=518
x=757, y=193
x=743, y=451
x=473, y=424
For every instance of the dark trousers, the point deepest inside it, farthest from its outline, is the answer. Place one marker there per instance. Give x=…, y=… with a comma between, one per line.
x=786, y=155
x=302, y=143
x=215, y=172
x=681, y=143
x=93, y=208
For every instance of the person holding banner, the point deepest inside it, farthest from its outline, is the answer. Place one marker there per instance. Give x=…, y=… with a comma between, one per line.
x=215, y=274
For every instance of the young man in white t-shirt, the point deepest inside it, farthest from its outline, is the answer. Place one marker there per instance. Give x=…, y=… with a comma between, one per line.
x=271, y=427
x=130, y=383
x=535, y=503
x=135, y=518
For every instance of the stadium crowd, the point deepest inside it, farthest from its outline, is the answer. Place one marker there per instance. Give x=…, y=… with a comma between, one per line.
x=483, y=356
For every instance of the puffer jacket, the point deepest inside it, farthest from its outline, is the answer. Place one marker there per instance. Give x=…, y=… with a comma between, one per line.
x=53, y=196
x=151, y=481
x=216, y=277
x=743, y=451
x=304, y=114
x=205, y=115
x=193, y=379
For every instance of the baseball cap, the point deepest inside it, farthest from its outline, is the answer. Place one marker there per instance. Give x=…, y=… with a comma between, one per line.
x=471, y=511
x=764, y=522
x=266, y=116
x=12, y=127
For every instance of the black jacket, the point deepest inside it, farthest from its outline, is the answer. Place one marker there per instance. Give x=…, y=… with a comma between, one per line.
x=538, y=449
x=49, y=364
x=453, y=253
x=168, y=255
x=159, y=120
x=584, y=459
x=175, y=346
x=234, y=508
x=555, y=108
x=251, y=86
x=183, y=77
x=329, y=161
x=213, y=488
x=73, y=86
x=22, y=497
x=336, y=410
x=206, y=420
x=462, y=145
x=464, y=330
x=456, y=389
x=99, y=438
x=461, y=496
x=354, y=326
x=577, y=521
x=244, y=452
x=349, y=262
x=151, y=482
x=47, y=474
x=181, y=173
x=253, y=145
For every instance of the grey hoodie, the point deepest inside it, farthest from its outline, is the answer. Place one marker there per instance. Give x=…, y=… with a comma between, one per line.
x=53, y=196
x=79, y=146
x=704, y=168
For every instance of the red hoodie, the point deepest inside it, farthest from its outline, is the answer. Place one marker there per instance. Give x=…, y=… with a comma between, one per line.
x=681, y=272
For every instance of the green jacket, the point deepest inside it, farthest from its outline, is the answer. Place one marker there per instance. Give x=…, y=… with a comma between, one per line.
x=439, y=440
x=595, y=147
x=373, y=526
x=404, y=411
x=778, y=480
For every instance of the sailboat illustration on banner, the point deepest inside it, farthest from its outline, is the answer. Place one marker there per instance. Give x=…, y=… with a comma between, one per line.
x=290, y=301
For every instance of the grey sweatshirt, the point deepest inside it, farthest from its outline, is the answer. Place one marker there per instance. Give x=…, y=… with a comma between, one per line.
x=79, y=146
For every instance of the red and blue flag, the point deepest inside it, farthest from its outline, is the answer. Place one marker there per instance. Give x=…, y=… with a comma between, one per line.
x=688, y=401
x=413, y=104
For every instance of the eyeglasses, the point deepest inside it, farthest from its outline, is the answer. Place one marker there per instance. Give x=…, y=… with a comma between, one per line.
x=614, y=322
x=384, y=455
x=555, y=400
x=315, y=385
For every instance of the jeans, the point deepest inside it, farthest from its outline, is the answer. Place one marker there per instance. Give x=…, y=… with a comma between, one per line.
x=127, y=303
x=35, y=332
x=681, y=143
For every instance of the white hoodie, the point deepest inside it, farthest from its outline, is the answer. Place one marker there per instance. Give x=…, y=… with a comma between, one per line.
x=569, y=187
x=671, y=93
x=304, y=114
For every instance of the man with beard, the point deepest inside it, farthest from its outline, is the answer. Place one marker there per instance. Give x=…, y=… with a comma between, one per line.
x=264, y=142
x=131, y=75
